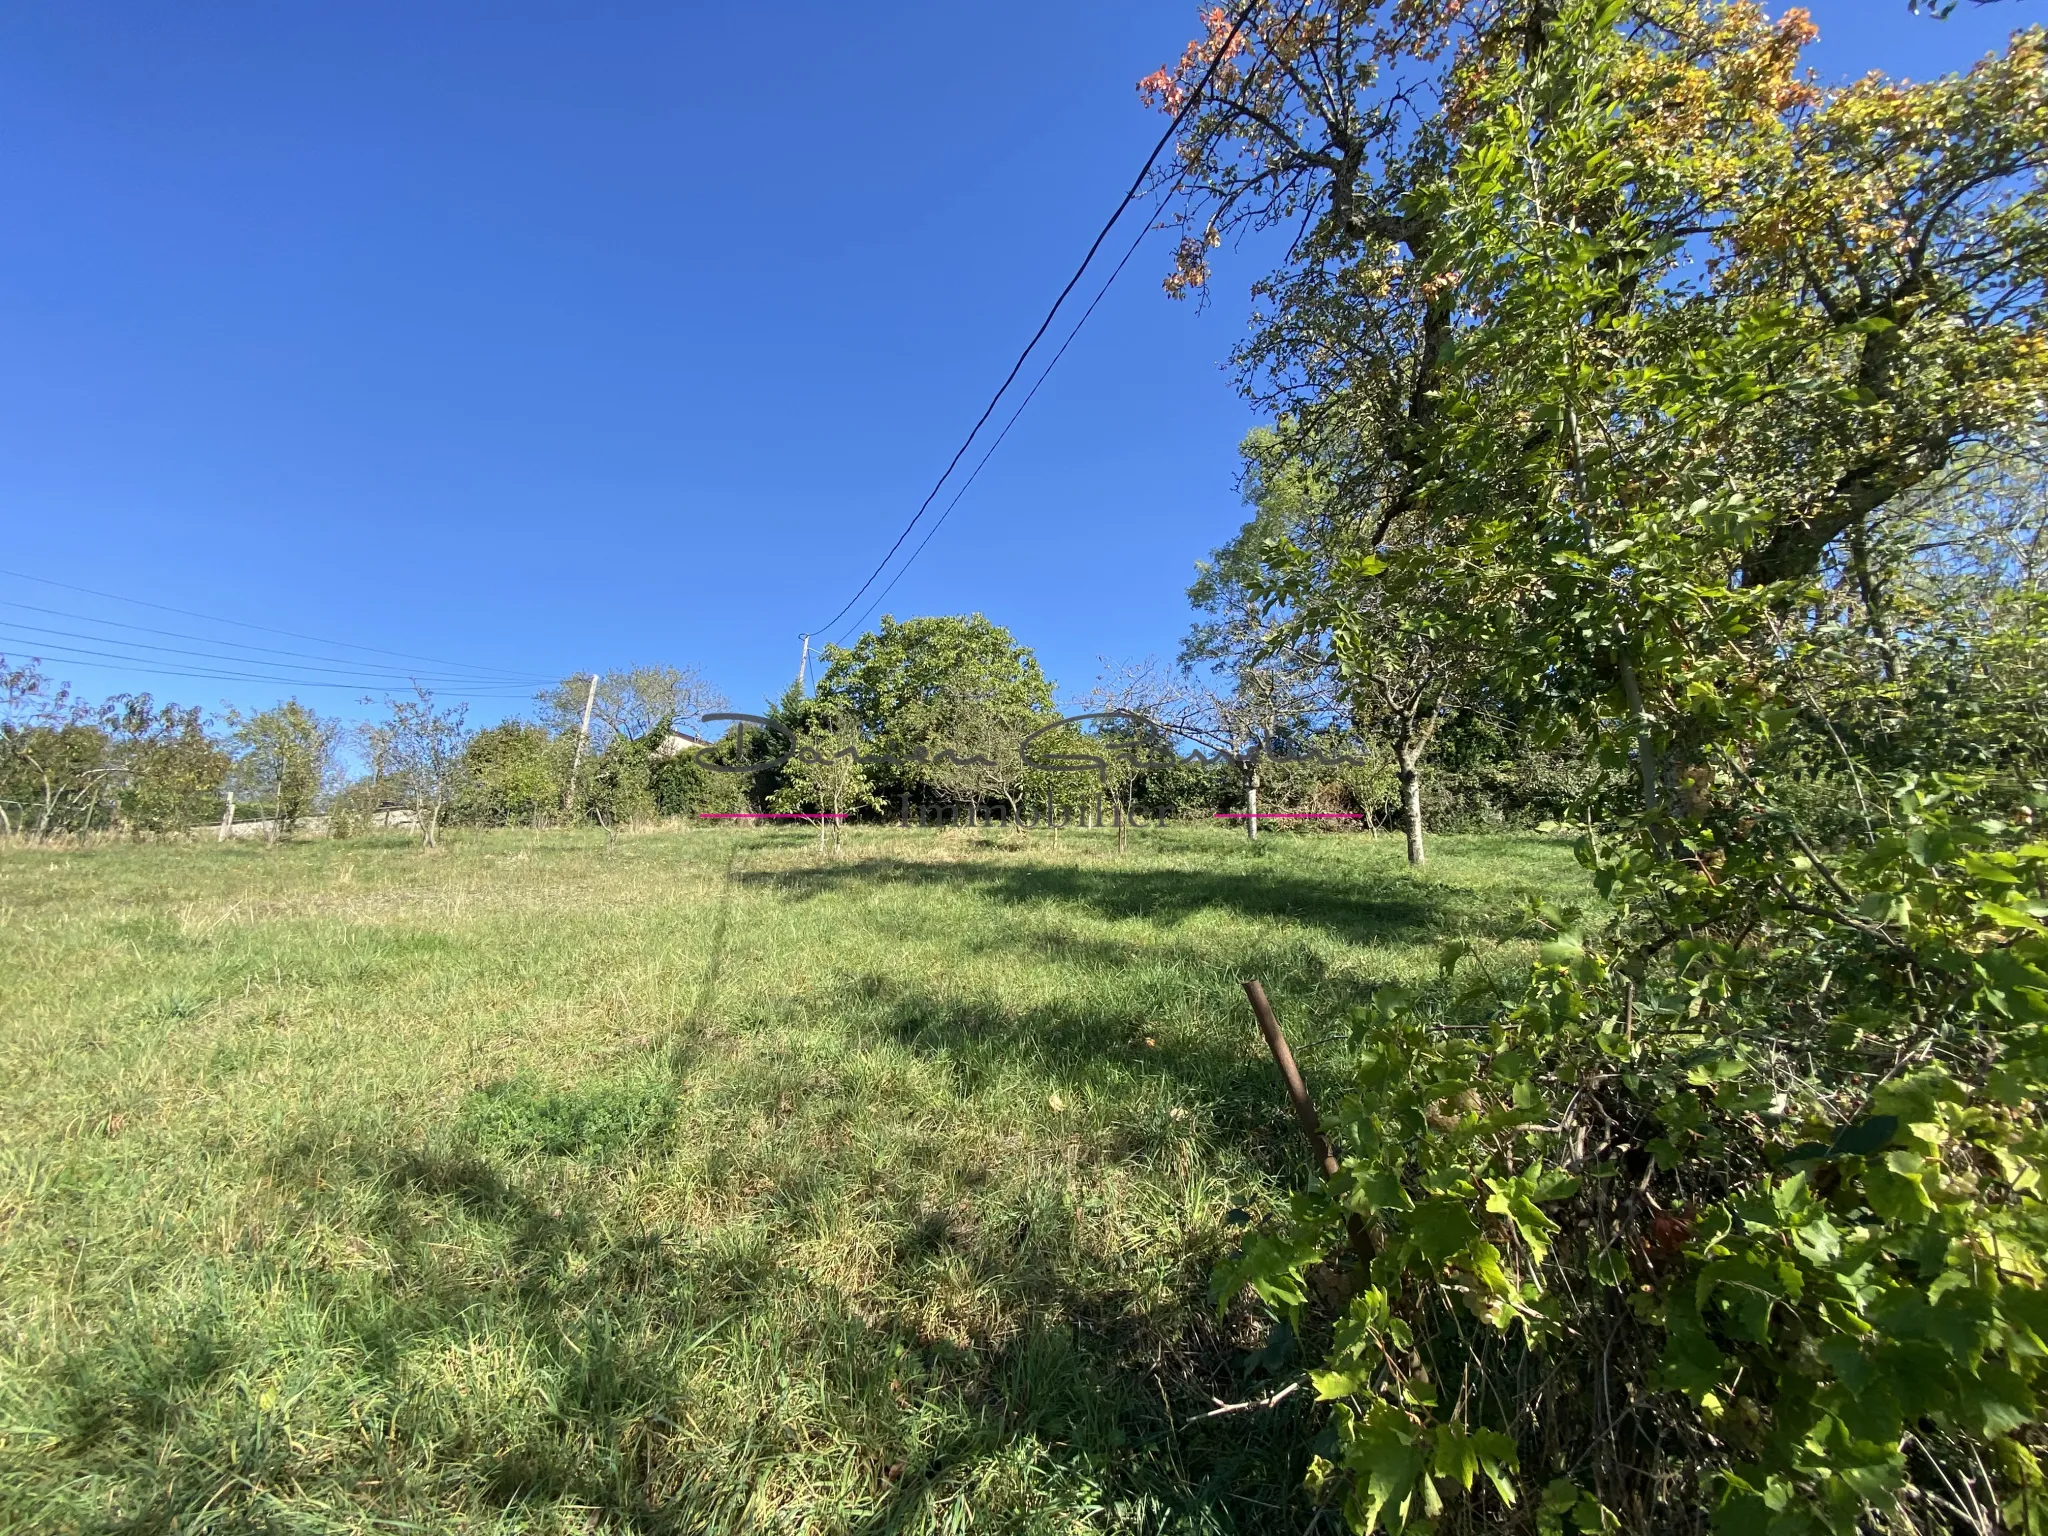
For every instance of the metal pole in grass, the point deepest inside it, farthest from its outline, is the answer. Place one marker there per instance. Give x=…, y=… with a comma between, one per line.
x=1304, y=1109
x=1290, y=1074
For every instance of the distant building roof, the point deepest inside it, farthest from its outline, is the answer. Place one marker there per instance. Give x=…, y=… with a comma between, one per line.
x=676, y=743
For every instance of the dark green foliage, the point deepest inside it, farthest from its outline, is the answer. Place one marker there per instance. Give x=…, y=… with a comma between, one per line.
x=618, y=786
x=940, y=707
x=172, y=773
x=684, y=785
x=511, y=773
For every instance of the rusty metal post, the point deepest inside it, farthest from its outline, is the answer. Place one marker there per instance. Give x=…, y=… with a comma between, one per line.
x=1304, y=1109
x=1297, y=1091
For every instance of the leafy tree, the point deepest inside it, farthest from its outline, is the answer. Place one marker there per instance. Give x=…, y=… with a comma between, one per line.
x=284, y=758
x=1401, y=671
x=510, y=773
x=922, y=690
x=53, y=769
x=171, y=772
x=58, y=778
x=1617, y=334
x=1272, y=678
x=621, y=780
x=685, y=782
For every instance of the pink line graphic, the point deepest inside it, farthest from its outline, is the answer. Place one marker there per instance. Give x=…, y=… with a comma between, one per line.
x=1292, y=815
x=771, y=816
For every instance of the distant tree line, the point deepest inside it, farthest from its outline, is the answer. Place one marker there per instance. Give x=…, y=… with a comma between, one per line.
x=944, y=718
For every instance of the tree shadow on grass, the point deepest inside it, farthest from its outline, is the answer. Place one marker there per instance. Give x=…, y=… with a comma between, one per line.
x=1075, y=1403
x=1086, y=1051
x=1374, y=909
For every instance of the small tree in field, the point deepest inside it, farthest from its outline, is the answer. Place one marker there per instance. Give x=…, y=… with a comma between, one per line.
x=824, y=771
x=977, y=754
x=426, y=747
x=54, y=769
x=1129, y=736
x=510, y=772
x=284, y=758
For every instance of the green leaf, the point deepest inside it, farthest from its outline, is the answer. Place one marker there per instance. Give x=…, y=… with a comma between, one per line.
x=1609, y=1267
x=1379, y=1190
x=1864, y=1137
x=2009, y=917
x=1895, y=1196
x=1331, y=1385
x=1497, y=1459
x=1386, y=1459
x=1455, y=1455
x=1440, y=1227
x=1995, y=1401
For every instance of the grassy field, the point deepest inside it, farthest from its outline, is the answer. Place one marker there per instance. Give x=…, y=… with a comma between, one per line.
x=702, y=1182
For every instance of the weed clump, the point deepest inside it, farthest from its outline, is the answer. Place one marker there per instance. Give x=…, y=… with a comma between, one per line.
x=522, y=1116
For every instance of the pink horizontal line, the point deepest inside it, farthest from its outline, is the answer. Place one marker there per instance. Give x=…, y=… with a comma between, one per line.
x=771, y=816
x=1291, y=815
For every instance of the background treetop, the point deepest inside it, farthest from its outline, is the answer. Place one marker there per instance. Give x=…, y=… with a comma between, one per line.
x=899, y=669
x=631, y=702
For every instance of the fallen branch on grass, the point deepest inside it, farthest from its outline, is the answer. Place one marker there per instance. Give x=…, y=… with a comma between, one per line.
x=1250, y=1404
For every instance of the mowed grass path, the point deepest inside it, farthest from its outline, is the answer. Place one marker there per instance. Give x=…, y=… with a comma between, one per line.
x=703, y=1182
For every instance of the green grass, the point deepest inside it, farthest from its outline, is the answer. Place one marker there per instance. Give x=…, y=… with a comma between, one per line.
x=703, y=1182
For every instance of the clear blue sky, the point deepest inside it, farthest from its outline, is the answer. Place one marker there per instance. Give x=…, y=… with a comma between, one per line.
x=548, y=337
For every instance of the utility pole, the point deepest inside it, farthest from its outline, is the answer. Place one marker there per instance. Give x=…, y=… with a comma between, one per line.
x=582, y=735
x=803, y=665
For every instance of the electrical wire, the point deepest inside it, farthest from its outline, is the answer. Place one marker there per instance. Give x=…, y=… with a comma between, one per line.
x=385, y=677
x=178, y=634
x=290, y=634
x=81, y=657
x=1137, y=185
x=1044, y=374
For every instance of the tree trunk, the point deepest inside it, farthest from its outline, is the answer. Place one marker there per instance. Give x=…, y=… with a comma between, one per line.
x=1408, y=758
x=1646, y=741
x=1251, y=800
x=1873, y=602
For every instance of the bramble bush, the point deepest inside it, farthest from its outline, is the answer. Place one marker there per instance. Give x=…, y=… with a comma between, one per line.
x=1739, y=1210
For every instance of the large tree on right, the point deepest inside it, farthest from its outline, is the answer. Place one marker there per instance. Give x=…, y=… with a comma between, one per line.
x=1620, y=344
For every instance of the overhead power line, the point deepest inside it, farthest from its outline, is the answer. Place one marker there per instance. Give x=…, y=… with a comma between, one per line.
x=352, y=663
x=1031, y=394
x=1137, y=185
x=290, y=634
x=110, y=661
x=353, y=676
